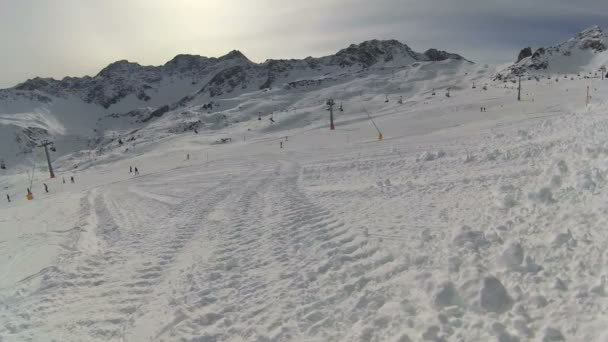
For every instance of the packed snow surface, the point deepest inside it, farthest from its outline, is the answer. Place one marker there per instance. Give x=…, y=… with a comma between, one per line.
x=460, y=225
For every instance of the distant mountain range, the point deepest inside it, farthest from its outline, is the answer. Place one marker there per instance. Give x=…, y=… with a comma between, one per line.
x=215, y=76
x=127, y=96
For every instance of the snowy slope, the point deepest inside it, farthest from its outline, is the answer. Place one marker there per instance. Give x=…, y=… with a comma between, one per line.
x=585, y=53
x=460, y=225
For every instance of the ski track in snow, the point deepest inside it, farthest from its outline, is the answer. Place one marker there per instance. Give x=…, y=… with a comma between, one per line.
x=104, y=290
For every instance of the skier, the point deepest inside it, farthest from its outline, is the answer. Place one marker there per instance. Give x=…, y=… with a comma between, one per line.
x=130, y=169
x=188, y=156
x=136, y=171
x=271, y=120
x=46, y=187
x=8, y=198
x=63, y=179
x=281, y=144
x=72, y=179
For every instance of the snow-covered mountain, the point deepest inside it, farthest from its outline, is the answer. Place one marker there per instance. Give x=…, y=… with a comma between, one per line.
x=586, y=52
x=82, y=112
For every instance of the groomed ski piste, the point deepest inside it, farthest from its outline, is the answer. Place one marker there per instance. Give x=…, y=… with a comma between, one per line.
x=460, y=225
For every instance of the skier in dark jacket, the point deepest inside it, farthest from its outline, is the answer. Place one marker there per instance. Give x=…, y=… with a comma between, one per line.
x=8, y=198
x=72, y=179
x=46, y=187
x=136, y=171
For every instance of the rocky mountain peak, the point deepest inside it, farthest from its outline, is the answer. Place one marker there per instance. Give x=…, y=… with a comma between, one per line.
x=185, y=63
x=35, y=84
x=371, y=52
x=524, y=53
x=120, y=67
x=438, y=55
x=593, y=32
x=235, y=55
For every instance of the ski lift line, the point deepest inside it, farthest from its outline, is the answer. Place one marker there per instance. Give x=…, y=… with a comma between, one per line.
x=31, y=176
x=371, y=119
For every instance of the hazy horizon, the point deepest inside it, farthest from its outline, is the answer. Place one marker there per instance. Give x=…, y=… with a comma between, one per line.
x=77, y=38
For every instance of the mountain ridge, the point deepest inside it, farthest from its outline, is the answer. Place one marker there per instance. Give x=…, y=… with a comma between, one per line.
x=193, y=60
x=586, y=51
x=125, y=96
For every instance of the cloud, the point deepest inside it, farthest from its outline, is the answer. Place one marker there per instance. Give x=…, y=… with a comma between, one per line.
x=77, y=37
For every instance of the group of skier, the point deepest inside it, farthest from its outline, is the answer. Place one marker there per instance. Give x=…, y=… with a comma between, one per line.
x=131, y=169
x=281, y=142
x=46, y=188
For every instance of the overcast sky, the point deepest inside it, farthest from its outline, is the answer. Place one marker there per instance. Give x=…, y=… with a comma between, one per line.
x=57, y=38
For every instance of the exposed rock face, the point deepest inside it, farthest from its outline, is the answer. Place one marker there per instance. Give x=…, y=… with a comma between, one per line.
x=524, y=53
x=437, y=56
x=227, y=80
